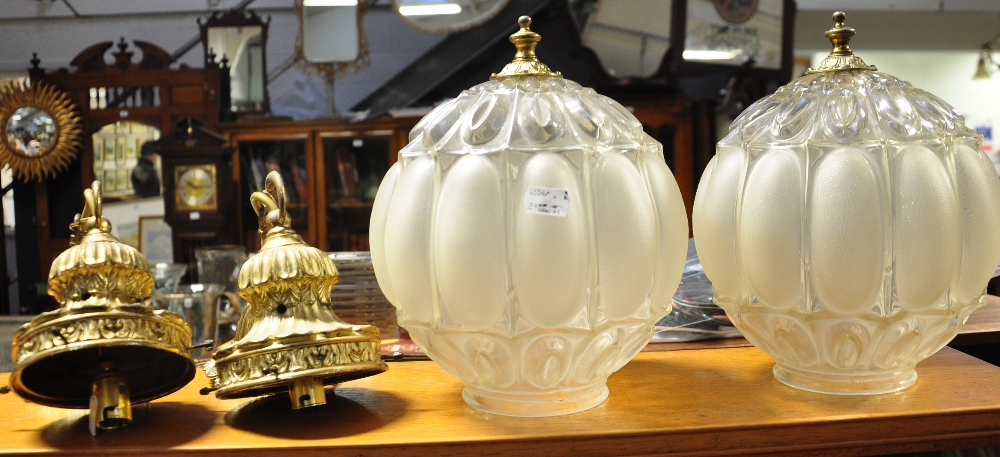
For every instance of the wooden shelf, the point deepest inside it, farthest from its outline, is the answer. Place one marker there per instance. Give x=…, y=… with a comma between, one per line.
x=704, y=402
x=348, y=204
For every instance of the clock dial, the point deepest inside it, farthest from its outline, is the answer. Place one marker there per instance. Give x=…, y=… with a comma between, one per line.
x=195, y=187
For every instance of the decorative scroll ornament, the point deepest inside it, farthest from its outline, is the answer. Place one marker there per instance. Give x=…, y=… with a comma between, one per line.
x=289, y=338
x=105, y=347
x=41, y=129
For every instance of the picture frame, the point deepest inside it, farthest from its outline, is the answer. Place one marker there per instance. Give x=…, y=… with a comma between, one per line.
x=156, y=240
x=120, y=150
x=121, y=179
x=131, y=148
x=98, y=150
x=109, y=149
x=701, y=28
x=109, y=182
x=137, y=147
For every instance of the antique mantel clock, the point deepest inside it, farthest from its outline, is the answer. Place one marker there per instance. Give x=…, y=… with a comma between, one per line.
x=197, y=189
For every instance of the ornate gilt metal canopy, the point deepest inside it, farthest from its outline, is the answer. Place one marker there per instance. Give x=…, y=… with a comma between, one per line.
x=289, y=338
x=105, y=347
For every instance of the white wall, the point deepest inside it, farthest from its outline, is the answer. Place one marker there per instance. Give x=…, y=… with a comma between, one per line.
x=948, y=75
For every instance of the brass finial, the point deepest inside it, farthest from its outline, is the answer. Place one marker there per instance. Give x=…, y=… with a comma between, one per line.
x=525, y=62
x=90, y=219
x=270, y=205
x=841, y=57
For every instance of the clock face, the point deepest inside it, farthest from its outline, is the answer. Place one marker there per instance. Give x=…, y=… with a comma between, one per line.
x=195, y=187
x=736, y=11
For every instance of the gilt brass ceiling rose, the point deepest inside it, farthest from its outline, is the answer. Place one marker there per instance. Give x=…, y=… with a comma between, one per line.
x=289, y=338
x=105, y=347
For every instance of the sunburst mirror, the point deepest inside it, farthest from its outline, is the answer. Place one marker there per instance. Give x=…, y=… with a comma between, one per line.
x=41, y=130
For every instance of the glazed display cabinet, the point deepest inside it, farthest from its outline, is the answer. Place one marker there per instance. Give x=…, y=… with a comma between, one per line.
x=332, y=169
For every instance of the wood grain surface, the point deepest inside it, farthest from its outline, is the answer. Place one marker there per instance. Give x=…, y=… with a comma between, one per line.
x=695, y=402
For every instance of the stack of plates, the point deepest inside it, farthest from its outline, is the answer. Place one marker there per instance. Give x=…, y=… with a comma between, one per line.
x=357, y=298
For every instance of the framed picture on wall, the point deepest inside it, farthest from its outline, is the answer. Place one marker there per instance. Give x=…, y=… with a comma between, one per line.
x=155, y=240
x=130, y=148
x=137, y=147
x=121, y=179
x=709, y=34
x=109, y=148
x=98, y=150
x=110, y=184
x=120, y=150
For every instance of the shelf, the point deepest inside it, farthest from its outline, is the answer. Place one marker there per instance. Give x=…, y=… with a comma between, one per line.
x=704, y=402
x=350, y=205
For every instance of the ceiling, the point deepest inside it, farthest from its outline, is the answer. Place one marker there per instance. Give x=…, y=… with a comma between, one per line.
x=36, y=9
x=929, y=6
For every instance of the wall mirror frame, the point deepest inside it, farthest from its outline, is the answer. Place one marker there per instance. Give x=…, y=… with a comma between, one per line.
x=629, y=37
x=237, y=41
x=330, y=71
x=42, y=130
x=446, y=16
x=721, y=26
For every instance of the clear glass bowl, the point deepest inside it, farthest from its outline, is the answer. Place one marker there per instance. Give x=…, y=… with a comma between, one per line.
x=848, y=225
x=530, y=235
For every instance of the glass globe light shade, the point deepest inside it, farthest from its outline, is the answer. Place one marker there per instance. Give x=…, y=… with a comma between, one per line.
x=847, y=224
x=530, y=236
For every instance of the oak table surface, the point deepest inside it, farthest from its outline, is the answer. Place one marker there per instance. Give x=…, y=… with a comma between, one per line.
x=703, y=402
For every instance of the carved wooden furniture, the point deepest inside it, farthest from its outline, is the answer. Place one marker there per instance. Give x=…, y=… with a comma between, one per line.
x=330, y=167
x=145, y=90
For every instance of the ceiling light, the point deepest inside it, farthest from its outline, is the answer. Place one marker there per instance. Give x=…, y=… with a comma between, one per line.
x=712, y=55
x=329, y=2
x=430, y=10
x=981, y=71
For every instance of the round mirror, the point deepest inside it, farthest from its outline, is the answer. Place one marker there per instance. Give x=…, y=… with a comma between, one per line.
x=41, y=130
x=31, y=131
x=446, y=16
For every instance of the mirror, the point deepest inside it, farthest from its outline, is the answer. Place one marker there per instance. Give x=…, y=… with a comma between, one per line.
x=331, y=41
x=126, y=159
x=31, y=131
x=41, y=130
x=629, y=36
x=237, y=42
x=446, y=16
x=730, y=33
x=330, y=31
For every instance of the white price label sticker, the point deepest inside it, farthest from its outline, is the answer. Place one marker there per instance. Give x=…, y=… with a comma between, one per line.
x=546, y=201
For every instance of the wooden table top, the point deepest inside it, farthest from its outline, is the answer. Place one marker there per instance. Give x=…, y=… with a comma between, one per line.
x=708, y=402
